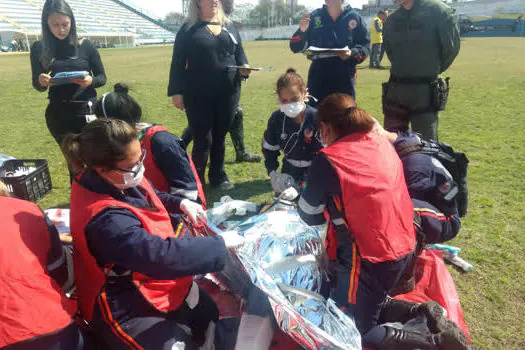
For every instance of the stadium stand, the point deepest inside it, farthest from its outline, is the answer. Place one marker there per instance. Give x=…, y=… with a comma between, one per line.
x=105, y=22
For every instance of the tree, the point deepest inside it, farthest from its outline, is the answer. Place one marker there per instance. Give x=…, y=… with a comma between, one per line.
x=173, y=20
x=270, y=13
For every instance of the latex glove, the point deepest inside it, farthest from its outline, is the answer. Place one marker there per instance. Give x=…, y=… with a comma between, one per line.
x=289, y=194
x=280, y=182
x=232, y=239
x=194, y=211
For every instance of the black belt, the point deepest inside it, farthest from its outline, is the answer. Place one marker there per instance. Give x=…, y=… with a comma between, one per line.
x=412, y=80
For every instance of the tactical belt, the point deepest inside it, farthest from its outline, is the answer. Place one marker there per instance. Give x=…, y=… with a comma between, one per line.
x=412, y=80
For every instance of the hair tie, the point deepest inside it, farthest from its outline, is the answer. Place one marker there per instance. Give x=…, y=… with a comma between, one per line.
x=103, y=104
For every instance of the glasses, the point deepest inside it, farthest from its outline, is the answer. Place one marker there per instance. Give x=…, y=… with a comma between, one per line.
x=137, y=166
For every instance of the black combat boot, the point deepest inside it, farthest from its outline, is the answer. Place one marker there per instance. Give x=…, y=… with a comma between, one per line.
x=399, y=339
x=402, y=311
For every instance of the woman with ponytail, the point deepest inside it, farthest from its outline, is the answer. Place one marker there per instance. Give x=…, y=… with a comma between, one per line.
x=60, y=50
x=292, y=130
x=357, y=182
x=134, y=265
x=167, y=164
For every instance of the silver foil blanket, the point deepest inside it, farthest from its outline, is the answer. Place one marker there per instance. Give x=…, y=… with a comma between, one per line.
x=281, y=257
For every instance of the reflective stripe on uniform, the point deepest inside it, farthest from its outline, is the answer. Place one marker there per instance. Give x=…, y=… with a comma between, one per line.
x=270, y=147
x=57, y=263
x=299, y=163
x=310, y=209
x=190, y=194
x=338, y=221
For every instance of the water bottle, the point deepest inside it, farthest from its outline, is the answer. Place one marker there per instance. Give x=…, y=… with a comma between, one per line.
x=459, y=262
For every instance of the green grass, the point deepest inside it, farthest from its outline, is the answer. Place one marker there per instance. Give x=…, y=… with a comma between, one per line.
x=485, y=118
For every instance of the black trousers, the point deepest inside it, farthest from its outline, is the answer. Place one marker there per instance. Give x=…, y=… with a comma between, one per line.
x=375, y=55
x=210, y=118
x=362, y=287
x=63, y=118
x=69, y=338
x=236, y=133
x=323, y=83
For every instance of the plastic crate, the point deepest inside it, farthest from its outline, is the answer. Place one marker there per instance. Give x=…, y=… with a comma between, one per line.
x=32, y=186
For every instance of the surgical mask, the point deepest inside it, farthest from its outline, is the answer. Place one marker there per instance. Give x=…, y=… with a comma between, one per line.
x=292, y=110
x=130, y=179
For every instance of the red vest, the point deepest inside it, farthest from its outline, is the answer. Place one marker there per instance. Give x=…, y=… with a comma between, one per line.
x=31, y=302
x=154, y=174
x=164, y=295
x=378, y=209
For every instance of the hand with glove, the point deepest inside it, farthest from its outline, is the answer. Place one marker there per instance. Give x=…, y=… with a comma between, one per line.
x=194, y=211
x=281, y=182
x=232, y=239
x=290, y=194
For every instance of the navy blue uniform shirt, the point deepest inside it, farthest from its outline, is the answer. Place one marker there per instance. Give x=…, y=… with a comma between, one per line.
x=116, y=236
x=437, y=227
x=170, y=156
x=427, y=179
x=299, y=143
x=330, y=75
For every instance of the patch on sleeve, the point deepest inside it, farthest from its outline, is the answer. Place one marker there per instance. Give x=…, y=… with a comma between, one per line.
x=352, y=24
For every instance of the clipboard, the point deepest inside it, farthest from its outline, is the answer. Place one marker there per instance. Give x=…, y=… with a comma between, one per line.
x=66, y=77
x=255, y=69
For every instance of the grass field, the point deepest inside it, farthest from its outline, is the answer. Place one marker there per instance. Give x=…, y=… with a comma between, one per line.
x=485, y=118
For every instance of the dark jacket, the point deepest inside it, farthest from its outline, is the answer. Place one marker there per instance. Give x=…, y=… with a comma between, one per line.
x=421, y=42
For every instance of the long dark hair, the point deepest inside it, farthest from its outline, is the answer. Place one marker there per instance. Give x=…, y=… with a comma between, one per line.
x=102, y=143
x=48, y=39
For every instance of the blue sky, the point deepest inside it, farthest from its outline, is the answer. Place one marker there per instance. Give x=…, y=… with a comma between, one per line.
x=162, y=7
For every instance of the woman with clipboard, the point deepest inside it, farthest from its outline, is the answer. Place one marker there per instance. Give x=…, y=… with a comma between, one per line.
x=339, y=37
x=202, y=84
x=60, y=51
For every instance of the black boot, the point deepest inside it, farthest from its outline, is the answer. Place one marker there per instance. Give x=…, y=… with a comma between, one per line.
x=402, y=311
x=237, y=135
x=398, y=311
x=399, y=339
x=452, y=339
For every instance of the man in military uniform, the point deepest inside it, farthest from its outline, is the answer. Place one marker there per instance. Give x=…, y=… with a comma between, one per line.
x=421, y=39
x=376, y=40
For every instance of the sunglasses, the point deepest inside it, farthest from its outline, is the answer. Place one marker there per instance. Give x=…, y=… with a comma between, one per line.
x=137, y=166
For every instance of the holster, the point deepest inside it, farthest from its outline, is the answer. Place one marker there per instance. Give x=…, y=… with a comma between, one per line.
x=440, y=89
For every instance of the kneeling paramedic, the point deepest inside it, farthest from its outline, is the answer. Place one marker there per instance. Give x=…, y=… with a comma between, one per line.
x=133, y=263
x=36, y=314
x=167, y=165
x=358, y=179
x=292, y=130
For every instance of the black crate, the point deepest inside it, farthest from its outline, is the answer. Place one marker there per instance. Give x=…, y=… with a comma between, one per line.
x=32, y=186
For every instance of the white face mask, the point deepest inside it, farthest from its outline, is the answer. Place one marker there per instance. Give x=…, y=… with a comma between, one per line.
x=131, y=180
x=292, y=110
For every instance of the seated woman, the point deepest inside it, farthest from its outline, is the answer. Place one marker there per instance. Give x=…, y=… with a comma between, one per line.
x=133, y=265
x=292, y=130
x=358, y=179
x=168, y=165
x=36, y=314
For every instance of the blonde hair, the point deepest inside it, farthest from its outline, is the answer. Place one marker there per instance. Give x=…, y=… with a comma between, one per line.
x=3, y=190
x=194, y=14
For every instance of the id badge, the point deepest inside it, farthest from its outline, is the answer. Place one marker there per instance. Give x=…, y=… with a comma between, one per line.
x=90, y=118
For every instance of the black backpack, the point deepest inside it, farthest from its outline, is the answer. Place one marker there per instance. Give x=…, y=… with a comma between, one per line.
x=455, y=162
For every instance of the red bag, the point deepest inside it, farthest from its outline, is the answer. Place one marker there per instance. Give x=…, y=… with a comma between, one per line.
x=434, y=282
